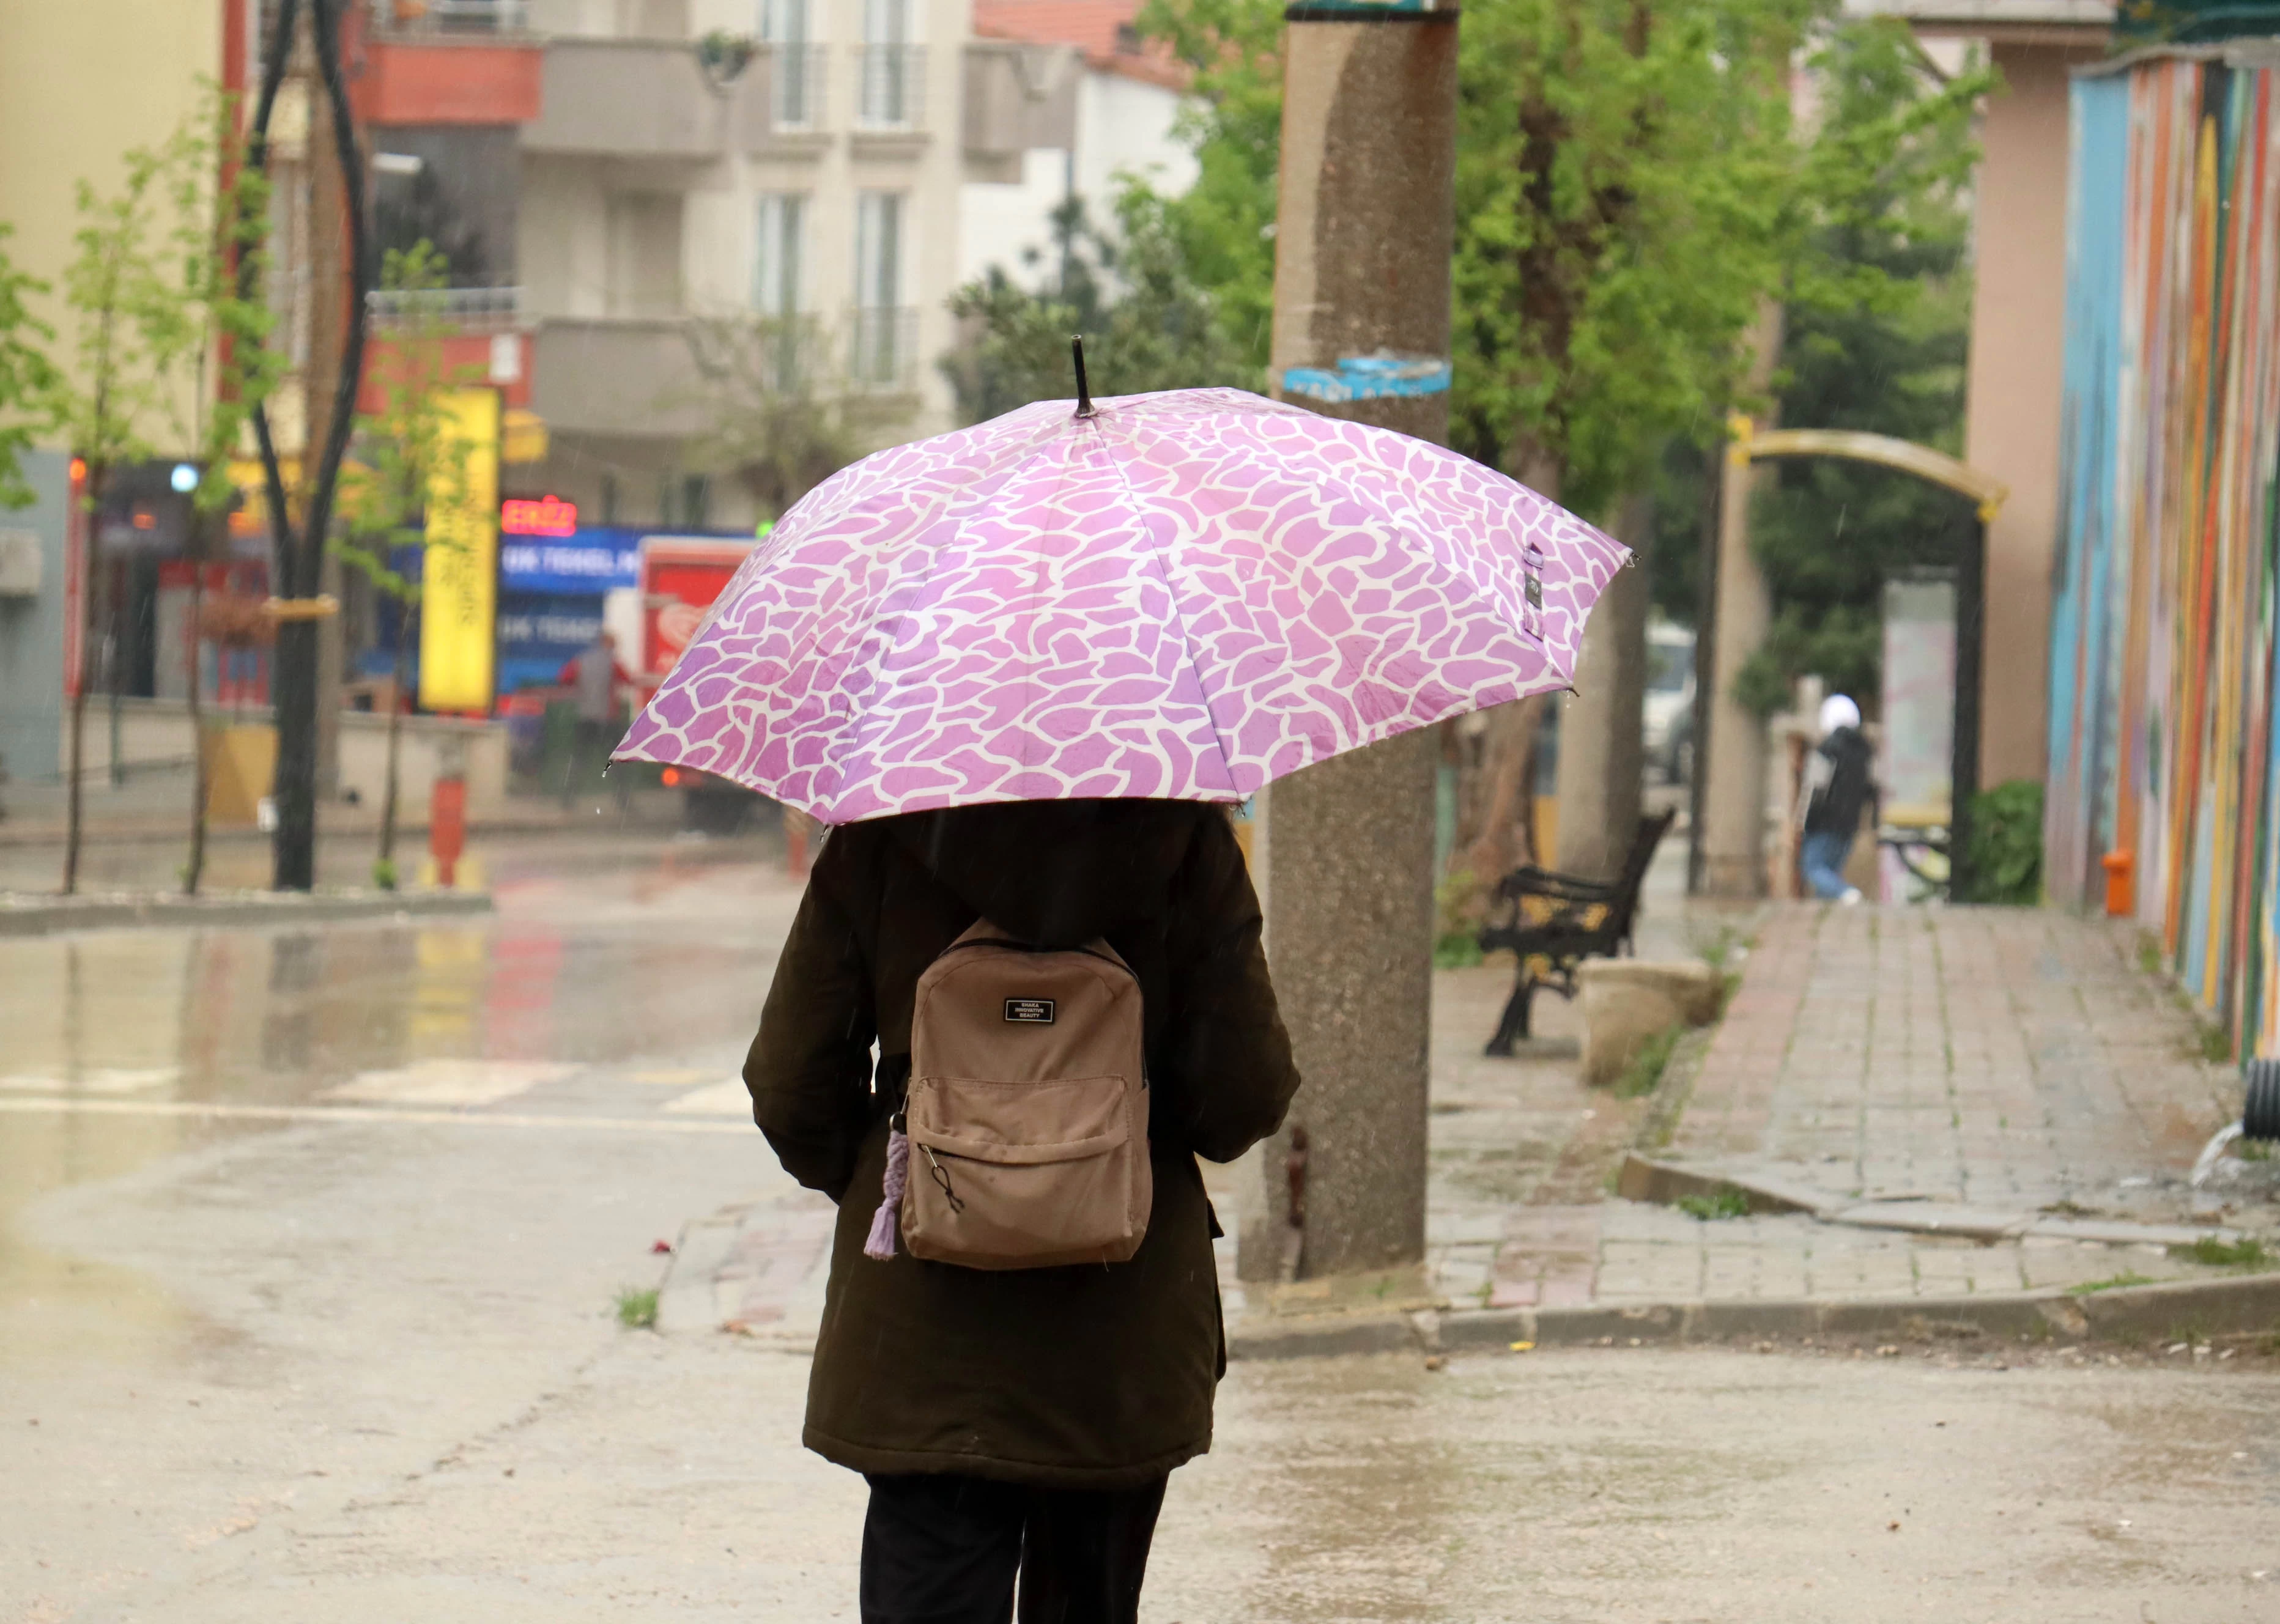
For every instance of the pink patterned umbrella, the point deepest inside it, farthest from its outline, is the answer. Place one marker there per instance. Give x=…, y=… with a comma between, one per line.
x=1182, y=596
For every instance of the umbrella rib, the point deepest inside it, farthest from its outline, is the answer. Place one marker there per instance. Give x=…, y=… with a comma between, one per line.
x=1220, y=734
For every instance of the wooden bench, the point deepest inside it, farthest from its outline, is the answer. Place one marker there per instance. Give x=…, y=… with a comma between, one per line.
x=1552, y=922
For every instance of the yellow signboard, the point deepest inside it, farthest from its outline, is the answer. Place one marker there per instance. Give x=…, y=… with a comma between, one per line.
x=458, y=601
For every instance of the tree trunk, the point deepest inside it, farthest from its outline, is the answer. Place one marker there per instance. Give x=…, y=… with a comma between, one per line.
x=1601, y=754
x=195, y=868
x=72, y=809
x=1503, y=830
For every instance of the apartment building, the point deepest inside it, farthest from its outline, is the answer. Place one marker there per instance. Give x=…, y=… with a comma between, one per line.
x=1123, y=95
x=721, y=158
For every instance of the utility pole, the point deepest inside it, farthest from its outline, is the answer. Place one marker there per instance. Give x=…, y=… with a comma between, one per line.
x=1732, y=759
x=1366, y=223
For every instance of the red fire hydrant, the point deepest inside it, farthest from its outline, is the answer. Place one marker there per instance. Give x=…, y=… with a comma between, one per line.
x=447, y=827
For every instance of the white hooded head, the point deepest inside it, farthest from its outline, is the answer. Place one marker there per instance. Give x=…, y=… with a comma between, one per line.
x=1838, y=711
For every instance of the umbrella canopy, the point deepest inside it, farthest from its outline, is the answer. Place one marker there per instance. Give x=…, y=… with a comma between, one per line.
x=1182, y=595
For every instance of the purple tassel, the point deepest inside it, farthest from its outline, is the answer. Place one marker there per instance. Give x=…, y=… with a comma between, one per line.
x=882, y=1243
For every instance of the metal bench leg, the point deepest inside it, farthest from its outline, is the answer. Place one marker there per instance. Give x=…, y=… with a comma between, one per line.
x=1512, y=1025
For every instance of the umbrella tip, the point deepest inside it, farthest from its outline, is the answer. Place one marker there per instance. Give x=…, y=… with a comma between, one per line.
x=1084, y=407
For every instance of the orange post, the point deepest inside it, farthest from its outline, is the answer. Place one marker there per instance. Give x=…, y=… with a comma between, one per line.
x=2121, y=892
x=447, y=828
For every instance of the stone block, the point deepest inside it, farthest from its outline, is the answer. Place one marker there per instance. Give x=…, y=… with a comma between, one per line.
x=1627, y=1001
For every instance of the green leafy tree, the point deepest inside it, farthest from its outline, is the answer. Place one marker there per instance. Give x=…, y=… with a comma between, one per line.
x=1877, y=333
x=159, y=341
x=411, y=458
x=218, y=206
x=1146, y=323
x=781, y=415
x=27, y=378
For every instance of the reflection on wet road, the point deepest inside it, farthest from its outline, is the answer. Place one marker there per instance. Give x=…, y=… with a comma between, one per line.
x=616, y=982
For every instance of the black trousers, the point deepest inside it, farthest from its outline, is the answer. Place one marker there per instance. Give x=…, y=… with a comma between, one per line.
x=943, y=1549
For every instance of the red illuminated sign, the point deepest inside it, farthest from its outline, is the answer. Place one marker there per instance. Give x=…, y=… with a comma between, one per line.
x=547, y=516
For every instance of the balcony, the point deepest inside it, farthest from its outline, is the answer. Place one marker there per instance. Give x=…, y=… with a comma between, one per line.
x=797, y=77
x=645, y=99
x=1017, y=98
x=630, y=378
x=883, y=351
x=463, y=336
x=442, y=62
x=466, y=310
x=890, y=87
x=405, y=17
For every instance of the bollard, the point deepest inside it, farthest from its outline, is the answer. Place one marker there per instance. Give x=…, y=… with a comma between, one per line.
x=2121, y=901
x=447, y=827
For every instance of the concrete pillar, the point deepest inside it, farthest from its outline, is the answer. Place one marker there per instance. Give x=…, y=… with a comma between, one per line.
x=1366, y=222
x=1602, y=759
x=1732, y=760
x=2013, y=385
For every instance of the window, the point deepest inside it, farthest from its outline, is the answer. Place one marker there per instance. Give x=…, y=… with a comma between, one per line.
x=797, y=63
x=776, y=264
x=893, y=68
x=885, y=334
x=644, y=262
x=878, y=250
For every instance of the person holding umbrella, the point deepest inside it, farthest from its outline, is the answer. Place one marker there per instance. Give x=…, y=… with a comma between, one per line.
x=1022, y=670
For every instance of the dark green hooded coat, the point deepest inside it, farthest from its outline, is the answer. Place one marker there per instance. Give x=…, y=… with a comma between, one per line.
x=1098, y=1376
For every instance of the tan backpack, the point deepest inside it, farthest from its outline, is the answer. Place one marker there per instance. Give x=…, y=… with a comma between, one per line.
x=1023, y=1140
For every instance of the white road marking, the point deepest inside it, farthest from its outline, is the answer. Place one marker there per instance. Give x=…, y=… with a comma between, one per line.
x=23, y=1105
x=450, y=1082
x=108, y=1079
x=722, y=1099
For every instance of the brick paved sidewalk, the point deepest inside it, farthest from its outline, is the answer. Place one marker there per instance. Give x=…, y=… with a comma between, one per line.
x=2012, y=1060
x=2004, y=1060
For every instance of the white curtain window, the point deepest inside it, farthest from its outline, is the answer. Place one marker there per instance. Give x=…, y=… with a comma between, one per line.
x=886, y=22
x=776, y=265
x=795, y=62
x=882, y=329
x=878, y=250
x=783, y=22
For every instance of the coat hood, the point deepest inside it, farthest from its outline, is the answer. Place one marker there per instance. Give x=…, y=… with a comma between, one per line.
x=1057, y=872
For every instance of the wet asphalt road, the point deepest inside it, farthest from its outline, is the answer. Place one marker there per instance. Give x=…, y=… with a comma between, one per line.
x=306, y=1313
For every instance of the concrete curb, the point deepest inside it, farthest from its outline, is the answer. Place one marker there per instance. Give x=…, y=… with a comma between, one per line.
x=2178, y=1310
x=51, y=916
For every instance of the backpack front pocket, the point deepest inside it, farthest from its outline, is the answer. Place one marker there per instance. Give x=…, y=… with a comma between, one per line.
x=1014, y=1175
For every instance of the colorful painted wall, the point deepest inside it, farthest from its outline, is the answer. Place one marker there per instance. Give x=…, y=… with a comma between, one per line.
x=2162, y=639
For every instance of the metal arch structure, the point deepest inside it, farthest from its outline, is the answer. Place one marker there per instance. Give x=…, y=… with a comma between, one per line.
x=1935, y=467
x=1748, y=445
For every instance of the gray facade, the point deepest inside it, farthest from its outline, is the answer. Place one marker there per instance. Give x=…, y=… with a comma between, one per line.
x=31, y=631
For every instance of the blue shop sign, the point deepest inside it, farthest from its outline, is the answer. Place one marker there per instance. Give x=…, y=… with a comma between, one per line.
x=588, y=562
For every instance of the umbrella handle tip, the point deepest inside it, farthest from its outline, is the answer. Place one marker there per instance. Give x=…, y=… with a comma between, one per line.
x=1084, y=406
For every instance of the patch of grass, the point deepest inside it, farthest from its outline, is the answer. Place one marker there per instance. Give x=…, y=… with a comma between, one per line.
x=637, y=1308
x=1456, y=950
x=1724, y=1202
x=1644, y=1070
x=383, y=874
x=2112, y=1282
x=2210, y=1252
x=2216, y=1044
x=2149, y=953
x=2255, y=1150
